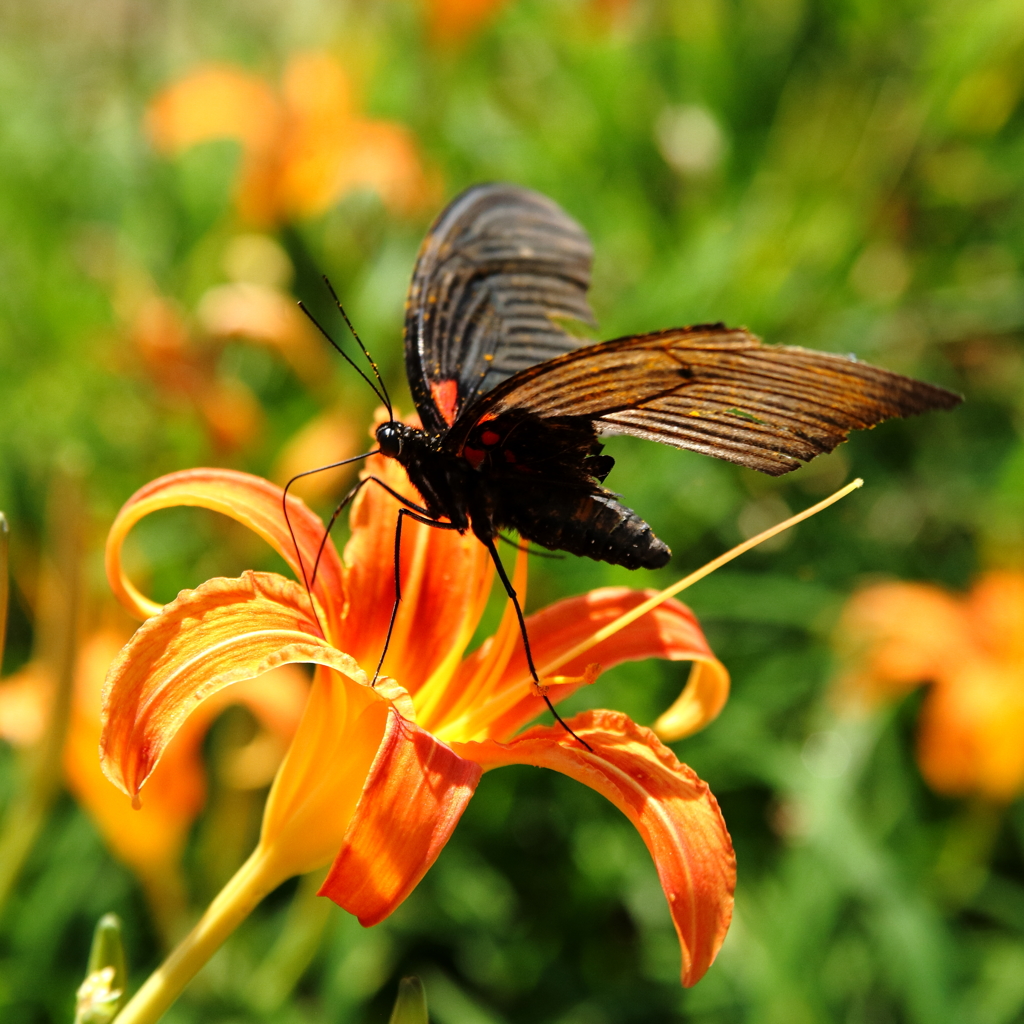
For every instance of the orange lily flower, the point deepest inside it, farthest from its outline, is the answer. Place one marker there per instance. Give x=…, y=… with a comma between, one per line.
x=302, y=149
x=377, y=776
x=970, y=650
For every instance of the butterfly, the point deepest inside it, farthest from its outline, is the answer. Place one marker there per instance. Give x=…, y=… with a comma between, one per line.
x=513, y=401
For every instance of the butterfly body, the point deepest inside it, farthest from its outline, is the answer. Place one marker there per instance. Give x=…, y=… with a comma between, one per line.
x=541, y=478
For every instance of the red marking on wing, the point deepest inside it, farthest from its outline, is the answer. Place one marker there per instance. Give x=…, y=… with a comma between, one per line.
x=474, y=456
x=446, y=396
x=489, y=437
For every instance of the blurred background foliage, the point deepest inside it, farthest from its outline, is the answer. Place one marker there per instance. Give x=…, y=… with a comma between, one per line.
x=843, y=175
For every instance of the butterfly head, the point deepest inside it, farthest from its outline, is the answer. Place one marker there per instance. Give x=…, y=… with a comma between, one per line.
x=391, y=437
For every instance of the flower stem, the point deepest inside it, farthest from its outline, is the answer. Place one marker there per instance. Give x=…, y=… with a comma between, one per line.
x=253, y=880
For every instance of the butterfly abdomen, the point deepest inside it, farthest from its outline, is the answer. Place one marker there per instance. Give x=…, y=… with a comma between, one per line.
x=584, y=521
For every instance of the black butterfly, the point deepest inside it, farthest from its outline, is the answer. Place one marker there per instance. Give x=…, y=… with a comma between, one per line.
x=513, y=402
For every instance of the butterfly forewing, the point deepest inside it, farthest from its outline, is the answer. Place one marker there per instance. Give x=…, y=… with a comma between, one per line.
x=716, y=391
x=498, y=276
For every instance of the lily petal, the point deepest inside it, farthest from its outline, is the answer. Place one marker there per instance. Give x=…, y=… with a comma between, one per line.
x=321, y=781
x=446, y=578
x=250, y=500
x=150, y=839
x=673, y=810
x=670, y=631
x=414, y=795
x=223, y=632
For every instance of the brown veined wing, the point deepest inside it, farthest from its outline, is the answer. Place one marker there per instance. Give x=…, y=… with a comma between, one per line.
x=714, y=390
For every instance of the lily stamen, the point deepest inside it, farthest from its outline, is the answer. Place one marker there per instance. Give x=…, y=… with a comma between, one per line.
x=698, y=574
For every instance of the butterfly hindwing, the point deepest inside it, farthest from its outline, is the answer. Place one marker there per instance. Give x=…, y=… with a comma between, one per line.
x=498, y=275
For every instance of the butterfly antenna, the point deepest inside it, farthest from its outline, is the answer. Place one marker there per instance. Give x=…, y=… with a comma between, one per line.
x=348, y=359
x=359, y=342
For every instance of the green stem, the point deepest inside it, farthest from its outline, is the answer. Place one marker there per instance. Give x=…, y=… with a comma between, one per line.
x=4, y=584
x=57, y=644
x=253, y=880
x=295, y=947
x=963, y=862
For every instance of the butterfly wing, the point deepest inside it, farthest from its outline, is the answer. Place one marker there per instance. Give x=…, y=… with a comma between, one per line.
x=712, y=390
x=499, y=272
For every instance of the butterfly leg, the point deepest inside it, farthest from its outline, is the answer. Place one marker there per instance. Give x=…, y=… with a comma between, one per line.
x=526, y=547
x=510, y=590
x=402, y=514
x=343, y=504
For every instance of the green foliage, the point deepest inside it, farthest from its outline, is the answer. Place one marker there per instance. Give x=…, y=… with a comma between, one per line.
x=842, y=175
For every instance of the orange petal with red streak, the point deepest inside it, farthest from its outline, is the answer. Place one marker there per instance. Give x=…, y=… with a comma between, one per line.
x=414, y=796
x=672, y=809
x=250, y=500
x=225, y=631
x=445, y=578
x=150, y=839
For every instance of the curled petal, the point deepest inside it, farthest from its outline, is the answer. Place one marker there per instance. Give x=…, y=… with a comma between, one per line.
x=414, y=795
x=151, y=839
x=702, y=700
x=446, y=578
x=672, y=809
x=250, y=500
x=223, y=632
x=669, y=631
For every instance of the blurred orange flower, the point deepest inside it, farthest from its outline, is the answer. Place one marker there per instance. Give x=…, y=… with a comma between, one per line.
x=452, y=22
x=970, y=650
x=185, y=371
x=183, y=356
x=303, y=148
x=378, y=775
